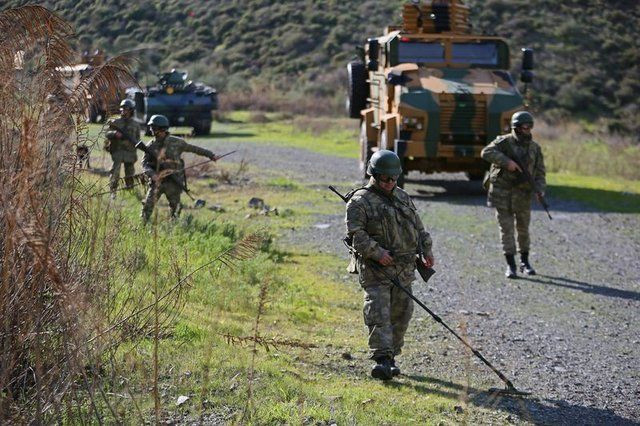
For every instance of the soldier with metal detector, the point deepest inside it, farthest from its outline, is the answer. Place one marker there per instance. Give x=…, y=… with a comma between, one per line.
x=517, y=173
x=161, y=160
x=122, y=131
x=385, y=232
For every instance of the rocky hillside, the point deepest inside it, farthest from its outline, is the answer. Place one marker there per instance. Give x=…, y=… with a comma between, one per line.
x=587, y=51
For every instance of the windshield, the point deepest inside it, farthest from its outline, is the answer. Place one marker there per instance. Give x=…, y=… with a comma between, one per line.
x=474, y=53
x=420, y=52
x=464, y=53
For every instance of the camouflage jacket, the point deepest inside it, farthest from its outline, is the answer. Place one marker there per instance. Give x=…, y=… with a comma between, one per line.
x=374, y=225
x=127, y=125
x=169, y=151
x=501, y=150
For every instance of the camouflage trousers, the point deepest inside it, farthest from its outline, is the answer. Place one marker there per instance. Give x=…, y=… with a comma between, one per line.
x=387, y=312
x=513, y=211
x=114, y=174
x=170, y=189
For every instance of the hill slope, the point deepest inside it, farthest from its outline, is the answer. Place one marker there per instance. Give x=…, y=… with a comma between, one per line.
x=587, y=54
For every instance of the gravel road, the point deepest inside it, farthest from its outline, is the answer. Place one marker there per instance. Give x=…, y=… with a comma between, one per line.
x=569, y=335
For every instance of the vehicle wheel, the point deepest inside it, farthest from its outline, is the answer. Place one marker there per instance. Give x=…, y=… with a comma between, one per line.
x=92, y=114
x=400, y=182
x=475, y=176
x=205, y=129
x=101, y=116
x=403, y=175
x=365, y=150
x=202, y=127
x=358, y=88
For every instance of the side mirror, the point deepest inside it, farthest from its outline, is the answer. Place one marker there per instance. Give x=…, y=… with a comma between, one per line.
x=527, y=59
x=526, y=75
x=372, y=65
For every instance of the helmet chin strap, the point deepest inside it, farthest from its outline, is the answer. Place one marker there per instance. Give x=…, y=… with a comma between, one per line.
x=522, y=137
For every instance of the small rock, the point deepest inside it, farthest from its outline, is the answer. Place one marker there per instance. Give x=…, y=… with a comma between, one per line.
x=559, y=369
x=217, y=208
x=366, y=401
x=181, y=400
x=347, y=356
x=256, y=203
x=459, y=409
x=322, y=225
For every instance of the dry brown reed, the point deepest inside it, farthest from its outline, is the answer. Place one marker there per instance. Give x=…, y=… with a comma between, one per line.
x=569, y=147
x=54, y=263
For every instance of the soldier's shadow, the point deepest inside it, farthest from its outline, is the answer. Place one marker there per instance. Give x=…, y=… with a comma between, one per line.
x=583, y=286
x=530, y=408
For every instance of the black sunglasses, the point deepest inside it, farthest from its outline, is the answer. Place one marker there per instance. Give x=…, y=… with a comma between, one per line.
x=387, y=178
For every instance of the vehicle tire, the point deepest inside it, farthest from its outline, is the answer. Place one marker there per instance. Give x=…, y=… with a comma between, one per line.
x=358, y=88
x=400, y=182
x=92, y=114
x=475, y=176
x=403, y=175
x=101, y=116
x=202, y=127
x=365, y=150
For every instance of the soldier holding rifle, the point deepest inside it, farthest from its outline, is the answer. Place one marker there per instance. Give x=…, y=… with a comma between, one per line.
x=517, y=173
x=163, y=165
x=119, y=145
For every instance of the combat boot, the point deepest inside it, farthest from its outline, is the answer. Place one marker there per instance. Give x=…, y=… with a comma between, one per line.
x=395, y=370
x=525, y=266
x=382, y=369
x=511, y=266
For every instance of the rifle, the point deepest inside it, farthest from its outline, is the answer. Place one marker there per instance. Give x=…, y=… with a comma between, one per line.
x=142, y=147
x=529, y=178
x=425, y=273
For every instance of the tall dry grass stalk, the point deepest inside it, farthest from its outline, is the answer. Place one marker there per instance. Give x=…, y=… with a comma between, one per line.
x=51, y=253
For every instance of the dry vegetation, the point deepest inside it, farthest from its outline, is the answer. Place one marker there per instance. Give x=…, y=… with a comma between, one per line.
x=53, y=262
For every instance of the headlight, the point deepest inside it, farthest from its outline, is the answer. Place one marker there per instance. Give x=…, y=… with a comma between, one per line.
x=412, y=123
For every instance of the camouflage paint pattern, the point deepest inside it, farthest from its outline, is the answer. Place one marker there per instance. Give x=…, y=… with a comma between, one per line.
x=460, y=107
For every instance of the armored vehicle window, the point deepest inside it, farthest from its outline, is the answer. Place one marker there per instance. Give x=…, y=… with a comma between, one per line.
x=486, y=54
x=413, y=52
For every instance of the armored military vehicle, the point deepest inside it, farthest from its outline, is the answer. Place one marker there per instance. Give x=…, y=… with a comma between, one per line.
x=183, y=102
x=433, y=92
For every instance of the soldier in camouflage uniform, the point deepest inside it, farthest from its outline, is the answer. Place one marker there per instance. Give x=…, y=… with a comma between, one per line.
x=166, y=157
x=385, y=230
x=510, y=193
x=122, y=150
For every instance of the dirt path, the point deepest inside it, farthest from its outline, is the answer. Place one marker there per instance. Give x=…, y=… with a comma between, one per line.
x=569, y=335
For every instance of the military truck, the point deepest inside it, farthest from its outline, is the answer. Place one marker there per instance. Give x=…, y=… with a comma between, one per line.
x=433, y=92
x=97, y=108
x=183, y=102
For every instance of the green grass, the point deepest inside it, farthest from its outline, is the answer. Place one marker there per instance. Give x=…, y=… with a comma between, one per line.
x=307, y=301
x=338, y=137
x=606, y=194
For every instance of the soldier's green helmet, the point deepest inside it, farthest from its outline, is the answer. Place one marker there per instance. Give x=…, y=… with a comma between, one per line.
x=521, y=117
x=158, y=121
x=384, y=162
x=127, y=103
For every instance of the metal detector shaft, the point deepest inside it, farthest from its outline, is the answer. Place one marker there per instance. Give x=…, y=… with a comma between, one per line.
x=438, y=319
